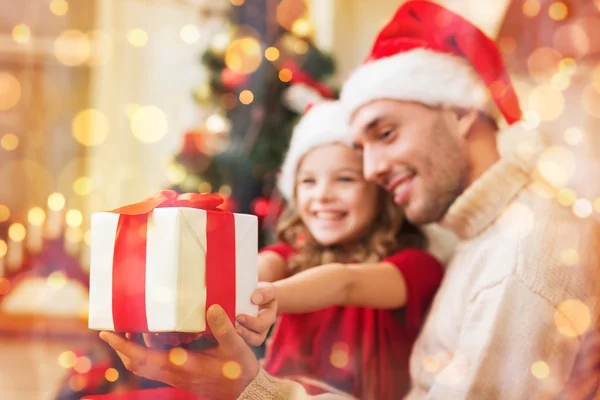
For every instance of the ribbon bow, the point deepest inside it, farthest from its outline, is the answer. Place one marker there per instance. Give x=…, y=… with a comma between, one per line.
x=170, y=198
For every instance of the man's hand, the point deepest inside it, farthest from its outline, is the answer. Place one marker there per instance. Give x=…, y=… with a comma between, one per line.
x=219, y=373
x=254, y=330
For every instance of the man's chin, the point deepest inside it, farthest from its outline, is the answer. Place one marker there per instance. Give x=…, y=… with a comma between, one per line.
x=421, y=217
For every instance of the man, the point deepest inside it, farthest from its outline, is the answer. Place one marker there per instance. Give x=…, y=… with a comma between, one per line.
x=507, y=320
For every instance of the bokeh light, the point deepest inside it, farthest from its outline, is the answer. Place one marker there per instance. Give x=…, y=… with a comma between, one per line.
x=566, y=197
x=246, y=97
x=67, y=359
x=339, y=356
x=531, y=8
x=56, y=201
x=59, y=7
x=301, y=47
x=205, y=187
x=77, y=382
x=568, y=65
x=17, y=232
x=557, y=165
x=9, y=142
x=596, y=205
x=149, y=124
x=57, y=280
x=220, y=42
x=137, y=37
x=572, y=318
x=101, y=48
x=3, y=248
x=558, y=11
x=570, y=257
x=111, y=375
x=561, y=81
x=583, y=208
x=4, y=213
x=21, y=33
x=244, y=55
x=540, y=370
x=10, y=91
x=90, y=127
x=302, y=27
x=87, y=237
x=216, y=123
x=285, y=75
x=516, y=221
x=130, y=109
x=573, y=136
x=74, y=218
x=228, y=101
x=507, y=44
x=82, y=186
x=543, y=63
x=72, y=48
x=232, y=370
x=571, y=40
x=547, y=101
x=590, y=99
x=178, y=356
x=176, y=173
x=82, y=365
x=36, y=216
x=272, y=53
x=189, y=34
x=237, y=2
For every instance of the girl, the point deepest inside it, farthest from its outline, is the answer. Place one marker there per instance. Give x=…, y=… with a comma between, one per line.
x=353, y=284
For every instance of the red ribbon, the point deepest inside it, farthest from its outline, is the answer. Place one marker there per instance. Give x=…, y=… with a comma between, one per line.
x=129, y=260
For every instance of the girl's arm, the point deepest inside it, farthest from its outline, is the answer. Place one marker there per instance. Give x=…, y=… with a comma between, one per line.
x=271, y=267
x=374, y=285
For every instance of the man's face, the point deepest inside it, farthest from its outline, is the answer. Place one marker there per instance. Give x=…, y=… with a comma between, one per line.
x=416, y=152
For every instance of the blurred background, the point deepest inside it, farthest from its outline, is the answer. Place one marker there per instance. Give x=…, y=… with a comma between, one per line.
x=105, y=102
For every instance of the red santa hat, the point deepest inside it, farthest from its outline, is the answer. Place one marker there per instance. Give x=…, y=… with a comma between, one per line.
x=323, y=123
x=431, y=55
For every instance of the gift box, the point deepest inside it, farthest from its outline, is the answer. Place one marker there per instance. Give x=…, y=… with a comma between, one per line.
x=157, y=265
x=146, y=394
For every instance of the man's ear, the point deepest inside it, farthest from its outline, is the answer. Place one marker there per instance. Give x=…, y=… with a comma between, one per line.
x=466, y=119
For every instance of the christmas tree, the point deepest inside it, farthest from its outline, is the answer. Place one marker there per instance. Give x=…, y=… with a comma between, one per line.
x=262, y=70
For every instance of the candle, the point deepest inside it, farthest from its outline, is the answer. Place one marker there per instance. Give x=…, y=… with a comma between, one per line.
x=15, y=251
x=3, y=249
x=35, y=240
x=56, y=204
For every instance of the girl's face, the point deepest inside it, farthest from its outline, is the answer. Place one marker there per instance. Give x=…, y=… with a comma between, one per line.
x=333, y=199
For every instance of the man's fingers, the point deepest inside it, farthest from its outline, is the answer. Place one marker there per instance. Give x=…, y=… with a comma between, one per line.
x=136, y=353
x=265, y=293
x=223, y=330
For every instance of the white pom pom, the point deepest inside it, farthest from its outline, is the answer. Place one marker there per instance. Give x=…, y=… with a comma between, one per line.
x=298, y=97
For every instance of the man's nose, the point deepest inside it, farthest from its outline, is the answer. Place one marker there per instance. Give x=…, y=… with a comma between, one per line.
x=375, y=166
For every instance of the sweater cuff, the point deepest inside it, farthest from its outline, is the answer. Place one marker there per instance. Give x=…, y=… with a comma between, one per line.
x=266, y=387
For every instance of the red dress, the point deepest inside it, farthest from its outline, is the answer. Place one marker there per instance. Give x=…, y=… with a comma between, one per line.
x=360, y=351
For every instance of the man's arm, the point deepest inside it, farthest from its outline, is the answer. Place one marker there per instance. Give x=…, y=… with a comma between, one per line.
x=509, y=347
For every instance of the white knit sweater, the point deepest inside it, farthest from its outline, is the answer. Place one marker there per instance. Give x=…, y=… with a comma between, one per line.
x=505, y=322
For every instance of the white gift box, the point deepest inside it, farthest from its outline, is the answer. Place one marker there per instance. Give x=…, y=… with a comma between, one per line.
x=186, y=264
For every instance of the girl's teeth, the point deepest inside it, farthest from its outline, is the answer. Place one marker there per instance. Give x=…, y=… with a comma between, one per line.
x=328, y=215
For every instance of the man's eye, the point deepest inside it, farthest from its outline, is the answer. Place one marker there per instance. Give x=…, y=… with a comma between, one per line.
x=386, y=134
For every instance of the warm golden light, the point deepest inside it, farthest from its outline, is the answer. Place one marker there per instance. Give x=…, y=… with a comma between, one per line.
x=3, y=248
x=149, y=124
x=225, y=191
x=73, y=234
x=87, y=237
x=72, y=48
x=302, y=27
x=583, y=208
x=90, y=127
x=10, y=91
x=285, y=75
x=56, y=201
x=111, y=375
x=568, y=66
x=271, y=53
x=216, y=123
x=570, y=257
x=21, y=33
x=16, y=232
x=9, y=142
x=567, y=197
x=67, y=359
x=59, y=7
x=558, y=11
x=246, y=97
x=74, y=218
x=82, y=186
x=561, y=81
x=571, y=39
x=189, y=34
x=176, y=173
x=507, y=44
x=596, y=206
x=516, y=221
x=590, y=99
x=237, y=2
x=301, y=47
x=531, y=8
x=339, y=356
x=36, y=216
x=557, y=164
x=205, y=187
x=220, y=42
x=543, y=63
x=77, y=382
x=4, y=286
x=178, y=356
x=4, y=213
x=82, y=365
x=540, y=370
x=57, y=280
x=547, y=101
x=137, y=37
x=572, y=318
x=101, y=49
x=232, y=370
x=573, y=136
x=244, y=55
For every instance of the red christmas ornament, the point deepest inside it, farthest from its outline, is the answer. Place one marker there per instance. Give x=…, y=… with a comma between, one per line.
x=232, y=80
x=261, y=207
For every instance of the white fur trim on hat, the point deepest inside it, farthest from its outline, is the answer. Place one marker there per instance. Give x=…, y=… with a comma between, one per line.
x=324, y=123
x=432, y=78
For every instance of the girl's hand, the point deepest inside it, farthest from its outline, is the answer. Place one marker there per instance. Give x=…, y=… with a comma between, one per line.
x=254, y=330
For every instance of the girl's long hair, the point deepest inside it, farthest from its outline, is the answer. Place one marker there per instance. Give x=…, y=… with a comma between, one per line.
x=389, y=233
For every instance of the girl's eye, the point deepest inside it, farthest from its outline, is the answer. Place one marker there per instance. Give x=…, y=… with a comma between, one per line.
x=307, y=181
x=346, y=179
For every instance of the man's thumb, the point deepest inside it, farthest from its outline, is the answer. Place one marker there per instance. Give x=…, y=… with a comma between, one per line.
x=222, y=329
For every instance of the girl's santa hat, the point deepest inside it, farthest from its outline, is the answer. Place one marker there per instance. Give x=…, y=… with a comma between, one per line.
x=323, y=123
x=431, y=55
